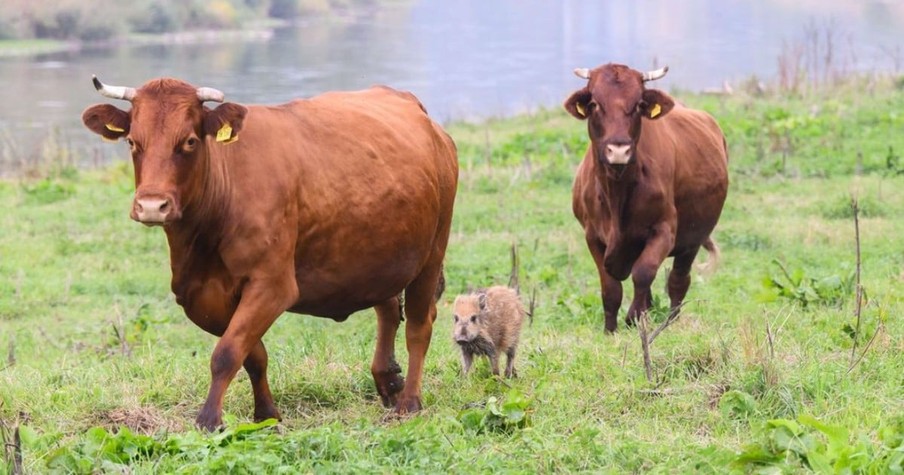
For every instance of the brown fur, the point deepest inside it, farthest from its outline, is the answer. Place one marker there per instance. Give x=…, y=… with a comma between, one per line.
x=488, y=322
x=665, y=201
x=324, y=206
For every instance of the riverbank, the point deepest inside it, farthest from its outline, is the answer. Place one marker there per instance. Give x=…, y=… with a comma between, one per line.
x=763, y=370
x=261, y=31
x=37, y=28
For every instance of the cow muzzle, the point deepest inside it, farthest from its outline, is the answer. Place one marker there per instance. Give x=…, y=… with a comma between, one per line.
x=619, y=153
x=154, y=211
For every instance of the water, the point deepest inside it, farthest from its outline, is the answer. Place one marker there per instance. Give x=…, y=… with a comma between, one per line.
x=466, y=60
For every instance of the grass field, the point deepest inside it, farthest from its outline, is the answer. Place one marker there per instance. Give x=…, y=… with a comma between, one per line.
x=101, y=371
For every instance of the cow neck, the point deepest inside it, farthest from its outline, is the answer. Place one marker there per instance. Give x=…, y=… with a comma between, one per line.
x=617, y=186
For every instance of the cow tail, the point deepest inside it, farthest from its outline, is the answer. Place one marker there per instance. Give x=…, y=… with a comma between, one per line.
x=440, y=284
x=712, y=263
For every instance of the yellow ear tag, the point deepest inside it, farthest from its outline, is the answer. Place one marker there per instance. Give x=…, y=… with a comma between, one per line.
x=655, y=111
x=113, y=128
x=580, y=108
x=224, y=134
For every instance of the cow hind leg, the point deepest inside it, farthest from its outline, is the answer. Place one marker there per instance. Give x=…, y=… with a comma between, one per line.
x=256, y=366
x=680, y=279
x=385, y=370
x=420, y=312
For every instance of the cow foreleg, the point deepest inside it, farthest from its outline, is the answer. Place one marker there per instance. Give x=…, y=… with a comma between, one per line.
x=610, y=288
x=420, y=312
x=384, y=368
x=256, y=366
x=644, y=271
x=261, y=303
x=680, y=279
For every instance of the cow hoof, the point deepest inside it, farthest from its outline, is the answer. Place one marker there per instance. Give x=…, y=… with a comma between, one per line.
x=389, y=383
x=266, y=413
x=208, y=421
x=408, y=405
x=388, y=386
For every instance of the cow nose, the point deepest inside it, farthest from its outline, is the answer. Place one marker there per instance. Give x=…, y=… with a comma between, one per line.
x=618, y=154
x=152, y=210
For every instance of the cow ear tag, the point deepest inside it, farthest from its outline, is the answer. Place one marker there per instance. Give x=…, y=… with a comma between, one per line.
x=655, y=111
x=580, y=108
x=113, y=128
x=225, y=134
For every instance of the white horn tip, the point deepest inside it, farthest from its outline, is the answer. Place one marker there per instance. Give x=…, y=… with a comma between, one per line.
x=582, y=73
x=210, y=94
x=654, y=75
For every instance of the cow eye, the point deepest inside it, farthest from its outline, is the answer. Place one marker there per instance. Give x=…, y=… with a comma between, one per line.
x=189, y=144
x=130, y=142
x=473, y=318
x=456, y=318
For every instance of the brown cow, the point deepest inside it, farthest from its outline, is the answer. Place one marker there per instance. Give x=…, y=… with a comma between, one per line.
x=324, y=206
x=651, y=185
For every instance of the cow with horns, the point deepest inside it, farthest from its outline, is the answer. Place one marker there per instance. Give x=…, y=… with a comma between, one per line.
x=652, y=185
x=324, y=206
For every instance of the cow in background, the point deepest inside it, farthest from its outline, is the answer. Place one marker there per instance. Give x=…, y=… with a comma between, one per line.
x=324, y=206
x=652, y=184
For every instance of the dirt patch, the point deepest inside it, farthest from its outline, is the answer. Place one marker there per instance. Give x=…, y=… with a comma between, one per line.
x=141, y=420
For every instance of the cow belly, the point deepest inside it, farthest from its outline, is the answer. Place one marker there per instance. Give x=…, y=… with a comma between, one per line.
x=336, y=295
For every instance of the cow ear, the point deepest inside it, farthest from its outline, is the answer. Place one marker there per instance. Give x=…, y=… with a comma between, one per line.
x=578, y=103
x=107, y=121
x=225, y=122
x=482, y=301
x=656, y=104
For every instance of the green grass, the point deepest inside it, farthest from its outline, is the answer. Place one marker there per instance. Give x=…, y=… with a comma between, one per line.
x=99, y=353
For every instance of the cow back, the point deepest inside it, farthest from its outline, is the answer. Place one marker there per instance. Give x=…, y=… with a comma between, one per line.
x=364, y=180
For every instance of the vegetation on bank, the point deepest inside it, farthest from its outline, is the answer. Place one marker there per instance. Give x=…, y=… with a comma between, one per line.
x=101, y=20
x=767, y=368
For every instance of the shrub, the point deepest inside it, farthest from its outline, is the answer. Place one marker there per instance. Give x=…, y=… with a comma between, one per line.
x=813, y=445
x=806, y=290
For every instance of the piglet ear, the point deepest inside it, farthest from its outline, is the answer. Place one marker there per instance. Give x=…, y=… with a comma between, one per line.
x=656, y=104
x=482, y=301
x=107, y=121
x=225, y=122
x=578, y=103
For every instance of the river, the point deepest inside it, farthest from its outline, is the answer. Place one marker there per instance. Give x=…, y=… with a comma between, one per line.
x=465, y=59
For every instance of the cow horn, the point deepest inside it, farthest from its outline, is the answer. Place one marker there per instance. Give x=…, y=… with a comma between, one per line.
x=113, y=92
x=654, y=75
x=210, y=94
x=582, y=73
